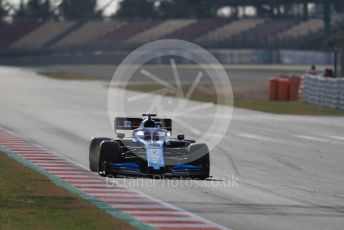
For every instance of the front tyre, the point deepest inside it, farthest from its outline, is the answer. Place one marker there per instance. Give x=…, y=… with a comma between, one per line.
x=198, y=154
x=110, y=152
x=94, y=152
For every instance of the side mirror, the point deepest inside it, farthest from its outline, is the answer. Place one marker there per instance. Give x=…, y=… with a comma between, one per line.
x=181, y=137
x=120, y=135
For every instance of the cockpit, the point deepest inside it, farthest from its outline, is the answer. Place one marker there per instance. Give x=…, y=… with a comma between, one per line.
x=150, y=131
x=150, y=134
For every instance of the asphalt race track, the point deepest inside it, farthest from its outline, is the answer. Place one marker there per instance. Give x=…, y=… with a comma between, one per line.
x=286, y=171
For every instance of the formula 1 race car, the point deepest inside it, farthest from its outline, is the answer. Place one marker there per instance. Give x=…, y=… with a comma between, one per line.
x=150, y=151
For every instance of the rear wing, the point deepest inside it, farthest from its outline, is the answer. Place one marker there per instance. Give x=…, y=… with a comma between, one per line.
x=129, y=123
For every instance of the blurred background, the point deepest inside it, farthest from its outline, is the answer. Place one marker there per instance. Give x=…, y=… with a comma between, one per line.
x=255, y=40
x=42, y=32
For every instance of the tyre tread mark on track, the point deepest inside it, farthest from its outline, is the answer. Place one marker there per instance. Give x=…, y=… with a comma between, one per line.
x=120, y=205
x=285, y=163
x=233, y=164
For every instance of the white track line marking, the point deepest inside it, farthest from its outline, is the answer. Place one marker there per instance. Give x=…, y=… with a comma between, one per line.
x=339, y=138
x=318, y=139
x=257, y=137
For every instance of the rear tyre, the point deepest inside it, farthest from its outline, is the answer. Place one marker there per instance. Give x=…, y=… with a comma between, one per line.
x=94, y=152
x=110, y=152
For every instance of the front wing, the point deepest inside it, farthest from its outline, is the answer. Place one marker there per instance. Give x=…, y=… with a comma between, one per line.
x=178, y=170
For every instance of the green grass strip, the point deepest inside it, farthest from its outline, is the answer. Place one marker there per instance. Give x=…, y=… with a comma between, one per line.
x=56, y=180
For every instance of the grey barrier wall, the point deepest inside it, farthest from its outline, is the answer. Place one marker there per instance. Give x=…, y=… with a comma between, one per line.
x=328, y=92
x=305, y=57
x=240, y=56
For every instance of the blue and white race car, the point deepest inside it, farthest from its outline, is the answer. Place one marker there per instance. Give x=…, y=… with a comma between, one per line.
x=150, y=151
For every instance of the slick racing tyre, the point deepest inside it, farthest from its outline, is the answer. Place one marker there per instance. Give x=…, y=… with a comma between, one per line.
x=94, y=152
x=110, y=152
x=198, y=154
